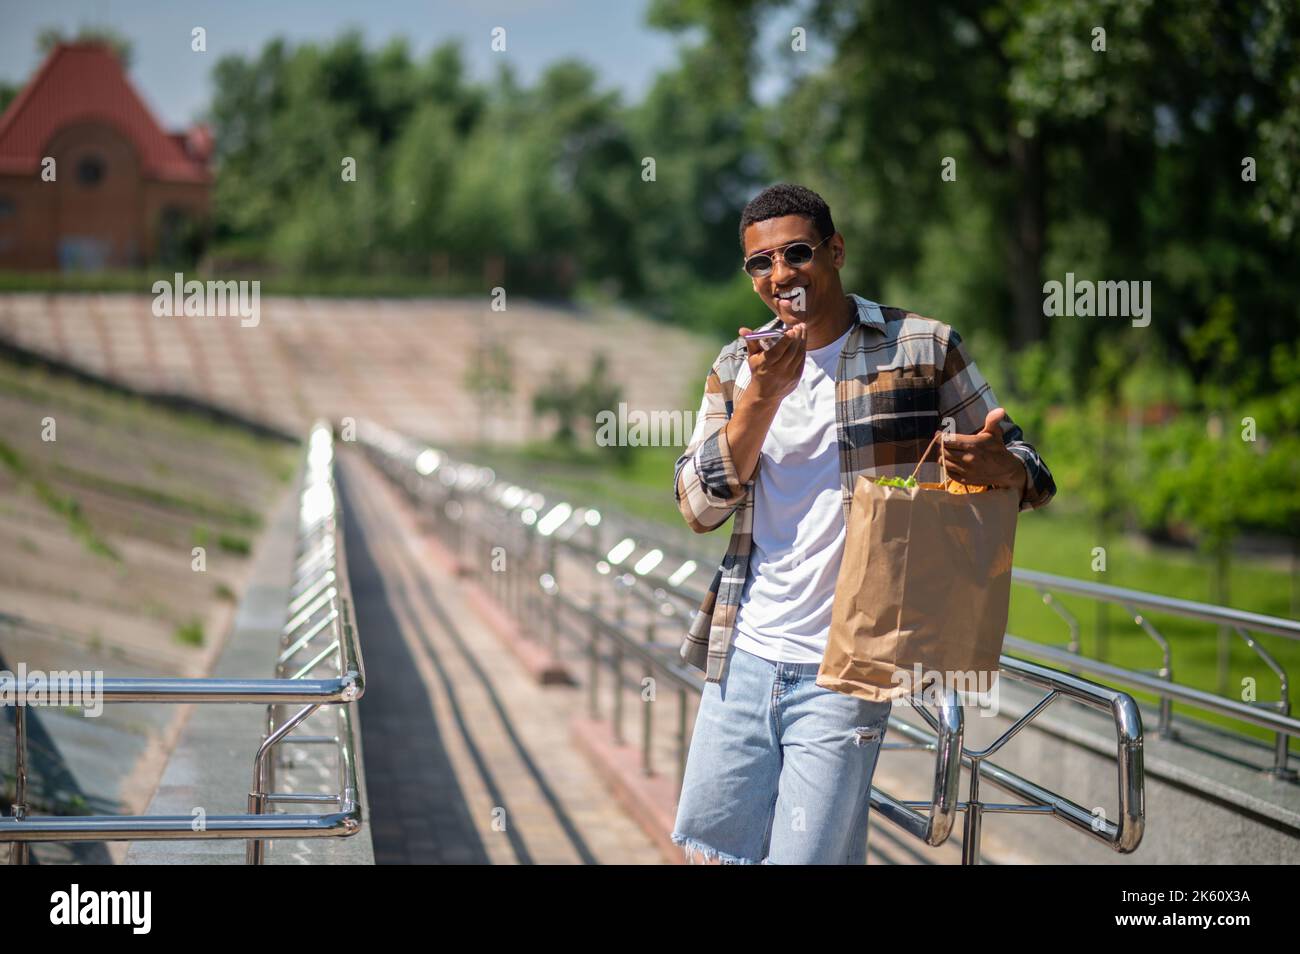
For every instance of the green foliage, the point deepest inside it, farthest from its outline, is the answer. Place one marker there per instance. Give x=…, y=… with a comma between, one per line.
x=7, y=93
x=558, y=398
x=1122, y=163
x=700, y=125
x=718, y=308
x=453, y=178
x=490, y=371
x=569, y=402
x=489, y=377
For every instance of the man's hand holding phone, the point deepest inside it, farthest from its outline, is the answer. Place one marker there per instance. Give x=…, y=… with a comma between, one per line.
x=775, y=367
x=776, y=363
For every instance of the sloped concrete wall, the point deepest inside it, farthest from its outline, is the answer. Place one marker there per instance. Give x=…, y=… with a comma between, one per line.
x=212, y=764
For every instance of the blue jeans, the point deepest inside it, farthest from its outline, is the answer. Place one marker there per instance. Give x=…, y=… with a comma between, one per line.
x=779, y=769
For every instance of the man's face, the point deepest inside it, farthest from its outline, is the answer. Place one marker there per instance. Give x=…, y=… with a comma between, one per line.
x=818, y=279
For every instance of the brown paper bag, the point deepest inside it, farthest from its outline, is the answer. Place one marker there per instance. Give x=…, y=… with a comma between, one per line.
x=923, y=590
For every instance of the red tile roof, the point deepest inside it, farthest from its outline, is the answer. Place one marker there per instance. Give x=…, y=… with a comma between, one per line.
x=85, y=82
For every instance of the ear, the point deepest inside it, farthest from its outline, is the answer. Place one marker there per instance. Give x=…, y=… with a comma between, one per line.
x=837, y=250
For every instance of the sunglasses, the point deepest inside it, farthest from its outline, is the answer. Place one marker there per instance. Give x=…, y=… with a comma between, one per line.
x=796, y=254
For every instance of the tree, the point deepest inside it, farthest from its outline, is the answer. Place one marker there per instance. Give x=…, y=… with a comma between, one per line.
x=7, y=93
x=559, y=398
x=490, y=378
x=1079, y=155
x=702, y=128
x=570, y=402
x=1229, y=463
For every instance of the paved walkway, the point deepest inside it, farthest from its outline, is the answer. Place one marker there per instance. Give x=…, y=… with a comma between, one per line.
x=467, y=759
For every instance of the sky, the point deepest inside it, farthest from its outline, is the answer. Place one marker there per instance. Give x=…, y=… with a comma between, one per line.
x=610, y=35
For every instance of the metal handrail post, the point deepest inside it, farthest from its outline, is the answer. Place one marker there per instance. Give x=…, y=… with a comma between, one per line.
x=973, y=827
x=618, y=693
x=257, y=798
x=593, y=656
x=18, y=852
x=620, y=622
x=647, y=718
x=553, y=619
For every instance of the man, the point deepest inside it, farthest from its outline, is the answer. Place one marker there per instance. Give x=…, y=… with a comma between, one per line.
x=779, y=769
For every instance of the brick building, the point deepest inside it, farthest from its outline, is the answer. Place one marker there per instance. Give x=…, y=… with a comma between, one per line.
x=124, y=194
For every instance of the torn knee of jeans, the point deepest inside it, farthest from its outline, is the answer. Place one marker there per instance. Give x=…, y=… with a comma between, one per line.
x=864, y=734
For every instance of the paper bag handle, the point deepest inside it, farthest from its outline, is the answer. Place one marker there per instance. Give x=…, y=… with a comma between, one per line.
x=942, y=468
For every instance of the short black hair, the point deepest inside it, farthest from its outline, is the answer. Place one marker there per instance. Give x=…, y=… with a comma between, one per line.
x=787, y=199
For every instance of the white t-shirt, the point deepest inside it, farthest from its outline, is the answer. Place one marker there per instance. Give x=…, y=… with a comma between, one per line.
x=785, y=609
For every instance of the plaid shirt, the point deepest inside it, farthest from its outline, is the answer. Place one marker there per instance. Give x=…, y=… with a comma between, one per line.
x=900, y=375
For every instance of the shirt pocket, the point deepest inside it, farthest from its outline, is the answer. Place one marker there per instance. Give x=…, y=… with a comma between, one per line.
x=902, y=406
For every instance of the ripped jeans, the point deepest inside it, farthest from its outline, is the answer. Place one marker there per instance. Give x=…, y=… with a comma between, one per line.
x=779, y=768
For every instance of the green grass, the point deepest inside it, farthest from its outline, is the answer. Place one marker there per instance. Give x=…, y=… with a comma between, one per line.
x=1061, y=543
x=191, y=504
x=233, y=543
x=107, y=415
x=190, y=633
x=1052, y=540
x=66, y=507
x=124, y=413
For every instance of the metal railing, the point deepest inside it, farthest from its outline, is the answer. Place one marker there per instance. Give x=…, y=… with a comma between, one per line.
x=1274, y=715
x=319, y=634
x=1122, y=836
x=479, y=515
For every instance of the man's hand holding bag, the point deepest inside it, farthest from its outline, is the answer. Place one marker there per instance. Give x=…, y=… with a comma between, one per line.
x=924, y=586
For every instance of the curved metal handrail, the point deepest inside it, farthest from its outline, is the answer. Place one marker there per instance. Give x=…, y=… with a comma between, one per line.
x=1190, y=609
x=319, y=521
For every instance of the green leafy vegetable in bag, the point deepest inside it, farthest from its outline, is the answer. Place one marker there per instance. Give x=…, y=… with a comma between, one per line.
x=896, y=481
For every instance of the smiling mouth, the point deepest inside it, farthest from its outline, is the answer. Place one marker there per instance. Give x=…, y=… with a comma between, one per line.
x=791, y=294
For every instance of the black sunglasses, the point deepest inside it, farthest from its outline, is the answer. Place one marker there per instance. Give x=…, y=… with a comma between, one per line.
x=759, y=265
